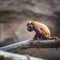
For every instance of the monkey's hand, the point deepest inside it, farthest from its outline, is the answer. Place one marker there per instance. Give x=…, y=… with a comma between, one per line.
x=31, y=42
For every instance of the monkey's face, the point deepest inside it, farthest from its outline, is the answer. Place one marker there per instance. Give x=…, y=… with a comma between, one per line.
x=30, y=27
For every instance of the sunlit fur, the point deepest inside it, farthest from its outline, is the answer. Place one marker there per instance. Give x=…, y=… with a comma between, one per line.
x=43, y=28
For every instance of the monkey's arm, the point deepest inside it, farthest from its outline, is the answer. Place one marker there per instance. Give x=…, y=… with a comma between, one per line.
x=34, y=38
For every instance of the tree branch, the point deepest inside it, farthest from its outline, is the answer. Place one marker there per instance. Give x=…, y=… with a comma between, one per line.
x=36, y=44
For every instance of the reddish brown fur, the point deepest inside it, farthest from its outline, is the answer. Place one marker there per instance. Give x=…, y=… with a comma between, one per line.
x=41, y=30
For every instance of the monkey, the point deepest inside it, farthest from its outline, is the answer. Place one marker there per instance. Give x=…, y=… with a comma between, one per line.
x=41, y=31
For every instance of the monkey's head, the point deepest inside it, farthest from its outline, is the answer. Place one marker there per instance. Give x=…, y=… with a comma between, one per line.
x=30, y=26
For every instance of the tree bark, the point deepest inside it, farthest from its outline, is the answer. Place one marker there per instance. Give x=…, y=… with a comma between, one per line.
x=36, y=44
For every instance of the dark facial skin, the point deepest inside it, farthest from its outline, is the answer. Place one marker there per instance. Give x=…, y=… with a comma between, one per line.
x=30, y=27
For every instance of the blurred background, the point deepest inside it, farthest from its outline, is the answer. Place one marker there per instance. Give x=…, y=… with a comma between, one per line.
x=14, y=15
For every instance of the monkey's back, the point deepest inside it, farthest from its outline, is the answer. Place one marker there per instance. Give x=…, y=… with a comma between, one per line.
x=43, y=27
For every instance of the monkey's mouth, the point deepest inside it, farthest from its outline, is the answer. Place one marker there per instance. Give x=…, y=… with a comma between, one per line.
x=30, y=29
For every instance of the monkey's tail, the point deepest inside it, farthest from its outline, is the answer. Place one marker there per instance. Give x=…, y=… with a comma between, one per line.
x=56, y=40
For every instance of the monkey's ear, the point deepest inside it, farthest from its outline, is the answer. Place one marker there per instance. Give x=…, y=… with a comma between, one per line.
x=32, y=22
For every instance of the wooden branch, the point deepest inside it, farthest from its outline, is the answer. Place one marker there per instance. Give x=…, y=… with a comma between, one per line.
x=12, y=56
x=36, y=44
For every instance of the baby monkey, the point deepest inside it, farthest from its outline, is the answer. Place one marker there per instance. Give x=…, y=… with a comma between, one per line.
x=41, y=31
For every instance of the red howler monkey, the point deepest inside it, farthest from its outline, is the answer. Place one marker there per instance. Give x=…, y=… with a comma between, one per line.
x=41, y=30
